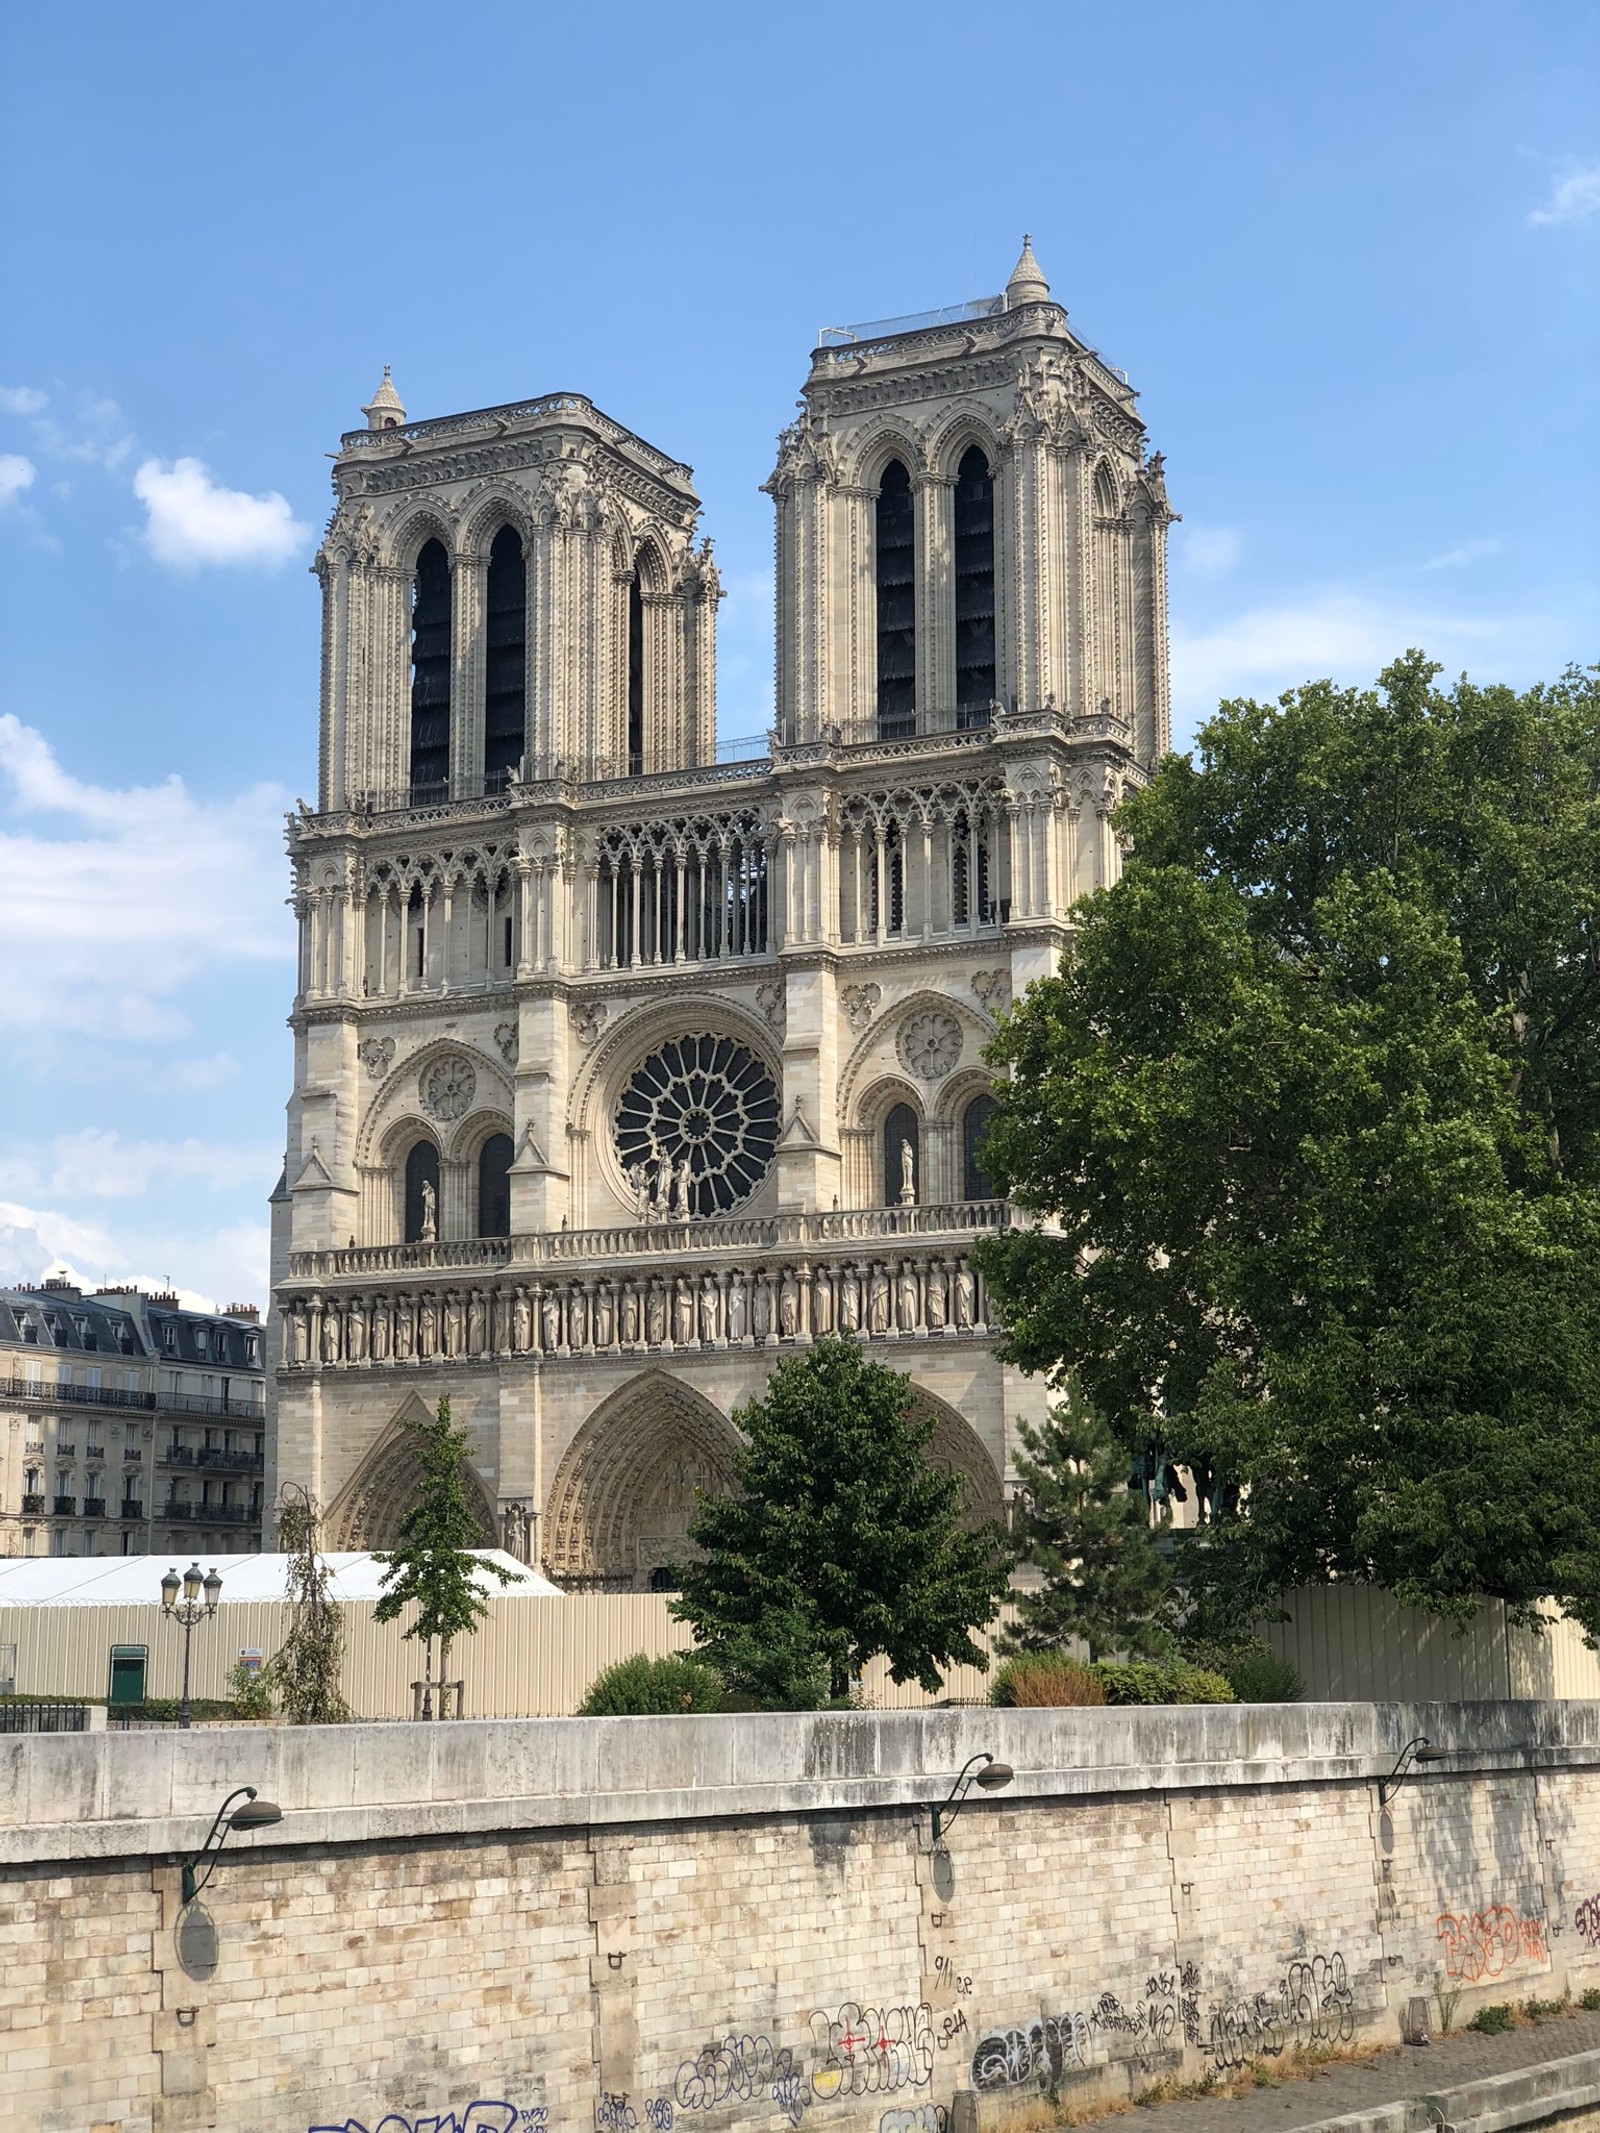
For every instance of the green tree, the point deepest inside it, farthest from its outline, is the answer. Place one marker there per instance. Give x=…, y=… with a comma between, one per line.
x=302, y=1676
x=433, y=1567
x=841, y=1540
x=1316, y=1107
x=1089, y=1533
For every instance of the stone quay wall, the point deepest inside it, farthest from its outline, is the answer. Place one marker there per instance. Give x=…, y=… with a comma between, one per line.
x=707, y=1925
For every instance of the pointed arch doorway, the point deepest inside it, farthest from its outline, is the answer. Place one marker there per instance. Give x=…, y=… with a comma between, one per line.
x=367, y=1511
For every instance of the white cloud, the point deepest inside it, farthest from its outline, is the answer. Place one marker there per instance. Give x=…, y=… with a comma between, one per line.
x=1468, y=552
x=1571, y=198
x=117, y=898
x=191, y=519
x=1342, y=635
x=21, y=400
x=228, y=1262
x=16, y=474
x=97, y=436
x=1208, y=551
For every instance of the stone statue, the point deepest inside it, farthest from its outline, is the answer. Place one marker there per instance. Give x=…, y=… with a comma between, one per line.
x=737, y=1305
x=849, y=1302
x=821, y=1303
x=682, y=1311
x=908, y=1174
x=639, y=1179
x=908, y=1301
x=605, y=1316
x=657, y=1306
x=550, y=1322
x=683, y=1190
x=761, y=1306
x=514, y=1530
x=789, y=1305
x=966, y=1297
x=402, y=1331
x=430, y=1214
x=428, y=1327
x=577, y=1317
x=452, y=1325
x=708, y=1309
x=380, y=1332
x=630, y=1316
x=661, y=1204
x=878, y=1299
x=358, y=1331
x=475, y=1323
x=330, y=1336
x=936, y=1297
x=521, y=1323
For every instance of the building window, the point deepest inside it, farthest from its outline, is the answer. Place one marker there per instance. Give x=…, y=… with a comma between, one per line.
x=897, y=605
x=494, y=1186
x=506, y=660
x=422, y=1179
x=899, y=1128
x=974, y=534
x=975, y=1183
x=635, y=678
x=430, y=673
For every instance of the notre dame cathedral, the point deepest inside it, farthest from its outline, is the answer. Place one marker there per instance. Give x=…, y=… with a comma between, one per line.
x=624, y=1068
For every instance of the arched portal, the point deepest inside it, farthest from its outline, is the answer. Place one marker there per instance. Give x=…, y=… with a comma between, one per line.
x=956, y=1446
x=624, y=1494
x=368, y=1509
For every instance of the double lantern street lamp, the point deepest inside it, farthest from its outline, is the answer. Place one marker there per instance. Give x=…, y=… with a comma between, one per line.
x=187, y=1612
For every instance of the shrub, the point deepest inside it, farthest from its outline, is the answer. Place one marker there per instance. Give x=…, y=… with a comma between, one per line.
x=1589, y=1999
x=1037, y=1679
x=1261, y=1677
x=251, y=1692
x=1164, y=1681
x=1493, y=2021
x=642, y=1687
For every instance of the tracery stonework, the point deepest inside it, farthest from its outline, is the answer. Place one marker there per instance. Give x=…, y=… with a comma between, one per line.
x=691, y=1044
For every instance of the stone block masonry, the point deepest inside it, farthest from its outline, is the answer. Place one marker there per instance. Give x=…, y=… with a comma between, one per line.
x=710, y=1925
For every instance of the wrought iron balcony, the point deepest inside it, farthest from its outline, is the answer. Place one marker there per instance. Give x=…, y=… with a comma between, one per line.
x=94, y=1507
x=57, y=1391
x=66, y=1506
x=132, y=1507
x=33, y=1507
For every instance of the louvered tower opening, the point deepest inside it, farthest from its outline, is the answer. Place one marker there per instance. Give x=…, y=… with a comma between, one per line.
x=430, y=674
x=635, y=678
x=974, y=533
x=897, y=606
x=506, y=659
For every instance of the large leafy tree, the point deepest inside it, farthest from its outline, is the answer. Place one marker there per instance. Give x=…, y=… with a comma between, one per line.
x=1315, y=1107
x=432, y=1567
x=1088, y=1533
x=841, y=1540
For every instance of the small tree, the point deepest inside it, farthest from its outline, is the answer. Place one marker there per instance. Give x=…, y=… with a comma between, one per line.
x=302, y=1676
x=841, y=1540
x=1090, y=1535
x=433, y=1567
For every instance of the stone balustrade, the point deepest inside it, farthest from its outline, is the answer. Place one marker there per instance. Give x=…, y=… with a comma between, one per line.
x=909, y=1289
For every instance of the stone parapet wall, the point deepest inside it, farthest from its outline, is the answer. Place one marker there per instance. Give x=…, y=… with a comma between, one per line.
x=602, y=1926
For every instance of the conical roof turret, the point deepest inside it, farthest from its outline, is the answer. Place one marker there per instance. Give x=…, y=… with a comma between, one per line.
x=384, y=411
x=1027, y=284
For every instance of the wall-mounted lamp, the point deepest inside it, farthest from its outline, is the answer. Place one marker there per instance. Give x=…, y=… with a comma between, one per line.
x=1418, y=1751
x=256, y=1813
x=981, y=1770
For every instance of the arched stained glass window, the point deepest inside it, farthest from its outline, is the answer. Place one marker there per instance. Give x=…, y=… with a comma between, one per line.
x=975, y=1183
x=430, y=673
x=494, y=1186
x=506, y=658
x=897, y=605
x=974, y=587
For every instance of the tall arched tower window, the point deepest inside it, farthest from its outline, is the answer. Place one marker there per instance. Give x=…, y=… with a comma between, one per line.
x=494, y=1186
x=1107, y=581
x=430, y=672
x=897, y=605
x=974, y=532
x=422, y=1179
x=975, y=1183
x=635, y=678
x=900, y=1127
x=505, y=690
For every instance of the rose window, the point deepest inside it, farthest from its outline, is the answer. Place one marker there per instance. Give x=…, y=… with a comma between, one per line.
x=696, y=1127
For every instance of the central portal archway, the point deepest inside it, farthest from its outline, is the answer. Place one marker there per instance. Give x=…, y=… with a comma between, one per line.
x=624, y=1493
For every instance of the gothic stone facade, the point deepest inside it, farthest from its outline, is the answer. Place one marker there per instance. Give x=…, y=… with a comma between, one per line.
x=621, y=1071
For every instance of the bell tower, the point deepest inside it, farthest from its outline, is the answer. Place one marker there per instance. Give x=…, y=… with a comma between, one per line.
x=968, y=524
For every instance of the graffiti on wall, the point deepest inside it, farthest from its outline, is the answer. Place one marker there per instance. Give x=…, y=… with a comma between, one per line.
x=1586, y=1920
x=860, y=2051
x=1310, y=2004
x=1037, y=2054
x=483, y=2115
x=1488, y=1943
x=915, y=2118
x=737, y=2068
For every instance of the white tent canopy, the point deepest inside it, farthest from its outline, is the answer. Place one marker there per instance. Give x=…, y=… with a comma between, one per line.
x=99, y=1581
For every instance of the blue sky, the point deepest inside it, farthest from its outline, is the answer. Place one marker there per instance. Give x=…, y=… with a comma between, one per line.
x=1348, y=257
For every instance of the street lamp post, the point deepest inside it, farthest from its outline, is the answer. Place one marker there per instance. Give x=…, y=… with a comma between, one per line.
x=187, y=1612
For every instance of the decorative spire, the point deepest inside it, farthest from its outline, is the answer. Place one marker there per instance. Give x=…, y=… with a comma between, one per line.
x=1027, y=284
x=383, y=411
